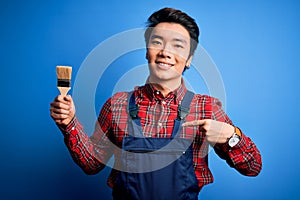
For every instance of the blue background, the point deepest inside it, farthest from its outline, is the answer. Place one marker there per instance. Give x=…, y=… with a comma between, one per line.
x=255, y=45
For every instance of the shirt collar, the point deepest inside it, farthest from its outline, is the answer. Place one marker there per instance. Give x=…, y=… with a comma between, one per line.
x=154, y=94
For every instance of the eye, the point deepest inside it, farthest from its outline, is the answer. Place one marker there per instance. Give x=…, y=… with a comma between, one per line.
x=179, y=46
x=155, y=42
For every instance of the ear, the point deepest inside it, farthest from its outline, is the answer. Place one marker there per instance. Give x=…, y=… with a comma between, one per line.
x=189, y=61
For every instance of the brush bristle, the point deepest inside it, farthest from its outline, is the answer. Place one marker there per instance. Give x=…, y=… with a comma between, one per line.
x=64, y=72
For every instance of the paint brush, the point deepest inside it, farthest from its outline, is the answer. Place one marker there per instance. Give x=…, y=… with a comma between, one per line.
x=63, y=74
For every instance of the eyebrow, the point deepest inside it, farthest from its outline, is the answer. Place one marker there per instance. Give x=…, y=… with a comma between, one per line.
x=156, y=37
x=175, y=39
x=180, y=40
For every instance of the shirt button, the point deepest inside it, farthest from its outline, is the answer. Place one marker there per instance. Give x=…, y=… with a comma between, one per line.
x=73, y=128
x=157, y=92
x=163, y=102
x=159, y=124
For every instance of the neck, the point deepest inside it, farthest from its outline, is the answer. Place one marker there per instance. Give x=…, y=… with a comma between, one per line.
x=165, y=87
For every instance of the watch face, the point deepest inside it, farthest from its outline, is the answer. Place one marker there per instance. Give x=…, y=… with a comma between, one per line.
x=233, y=140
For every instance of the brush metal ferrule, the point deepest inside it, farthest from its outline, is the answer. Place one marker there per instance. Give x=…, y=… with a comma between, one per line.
x=63, y=83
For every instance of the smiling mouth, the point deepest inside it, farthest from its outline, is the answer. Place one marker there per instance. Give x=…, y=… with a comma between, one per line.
x=164, y=65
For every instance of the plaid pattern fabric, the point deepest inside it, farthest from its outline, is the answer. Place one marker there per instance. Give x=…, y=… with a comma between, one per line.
x=157, y=115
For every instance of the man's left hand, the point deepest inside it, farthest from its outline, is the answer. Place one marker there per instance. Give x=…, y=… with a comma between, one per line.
x=216, y=132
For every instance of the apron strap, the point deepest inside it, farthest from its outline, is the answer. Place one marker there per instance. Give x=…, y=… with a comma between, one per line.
x=182, y=111
x=184, y=106
x=132, y=106
x=134, y=125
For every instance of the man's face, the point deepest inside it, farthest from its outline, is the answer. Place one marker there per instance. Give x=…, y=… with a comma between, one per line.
x=168, y=51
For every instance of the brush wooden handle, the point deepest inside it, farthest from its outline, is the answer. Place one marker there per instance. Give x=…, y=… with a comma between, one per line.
x=64, y=90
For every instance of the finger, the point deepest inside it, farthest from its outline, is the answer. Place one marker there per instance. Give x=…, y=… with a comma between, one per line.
x=60, y=111
x=59, y=108
x=63, y=99
x=59, y=98
x=68, y=98
x=60, y=105
x=57, y=116
x=195, y=123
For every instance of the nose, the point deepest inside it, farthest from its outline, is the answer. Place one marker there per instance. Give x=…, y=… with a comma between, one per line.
x=166, y=51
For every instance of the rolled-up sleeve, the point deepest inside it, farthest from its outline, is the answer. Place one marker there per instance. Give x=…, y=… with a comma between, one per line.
x=244, y=156
x=90, y=153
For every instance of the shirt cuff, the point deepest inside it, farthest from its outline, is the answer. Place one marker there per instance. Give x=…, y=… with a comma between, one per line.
x=71, y=128
x=226, y=148
x=240, y=145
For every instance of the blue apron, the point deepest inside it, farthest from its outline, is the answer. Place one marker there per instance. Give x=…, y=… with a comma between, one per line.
x=156, y=168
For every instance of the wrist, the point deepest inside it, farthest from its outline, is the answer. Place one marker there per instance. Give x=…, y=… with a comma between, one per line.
x=67, y=125
x=235, y=138
x=230, y=132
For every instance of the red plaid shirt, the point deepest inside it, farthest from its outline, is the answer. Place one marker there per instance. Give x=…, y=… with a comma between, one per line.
x=157, y=115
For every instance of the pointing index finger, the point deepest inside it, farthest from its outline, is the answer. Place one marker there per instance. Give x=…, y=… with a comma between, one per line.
x=194, y=123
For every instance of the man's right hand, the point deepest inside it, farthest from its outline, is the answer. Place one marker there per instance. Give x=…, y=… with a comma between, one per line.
x=62, y=110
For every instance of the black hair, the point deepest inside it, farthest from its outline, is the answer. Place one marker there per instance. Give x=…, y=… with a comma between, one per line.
x=174, y=16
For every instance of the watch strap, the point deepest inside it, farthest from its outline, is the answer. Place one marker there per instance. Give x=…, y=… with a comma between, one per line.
x=237, y=131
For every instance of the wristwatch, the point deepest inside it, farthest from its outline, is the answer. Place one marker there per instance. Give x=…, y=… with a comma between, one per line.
x=235, y=138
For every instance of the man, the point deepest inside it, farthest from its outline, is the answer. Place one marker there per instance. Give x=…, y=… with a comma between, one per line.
x=143, y=129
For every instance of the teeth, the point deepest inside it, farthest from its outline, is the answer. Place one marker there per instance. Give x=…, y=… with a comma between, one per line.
x=165, y=65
